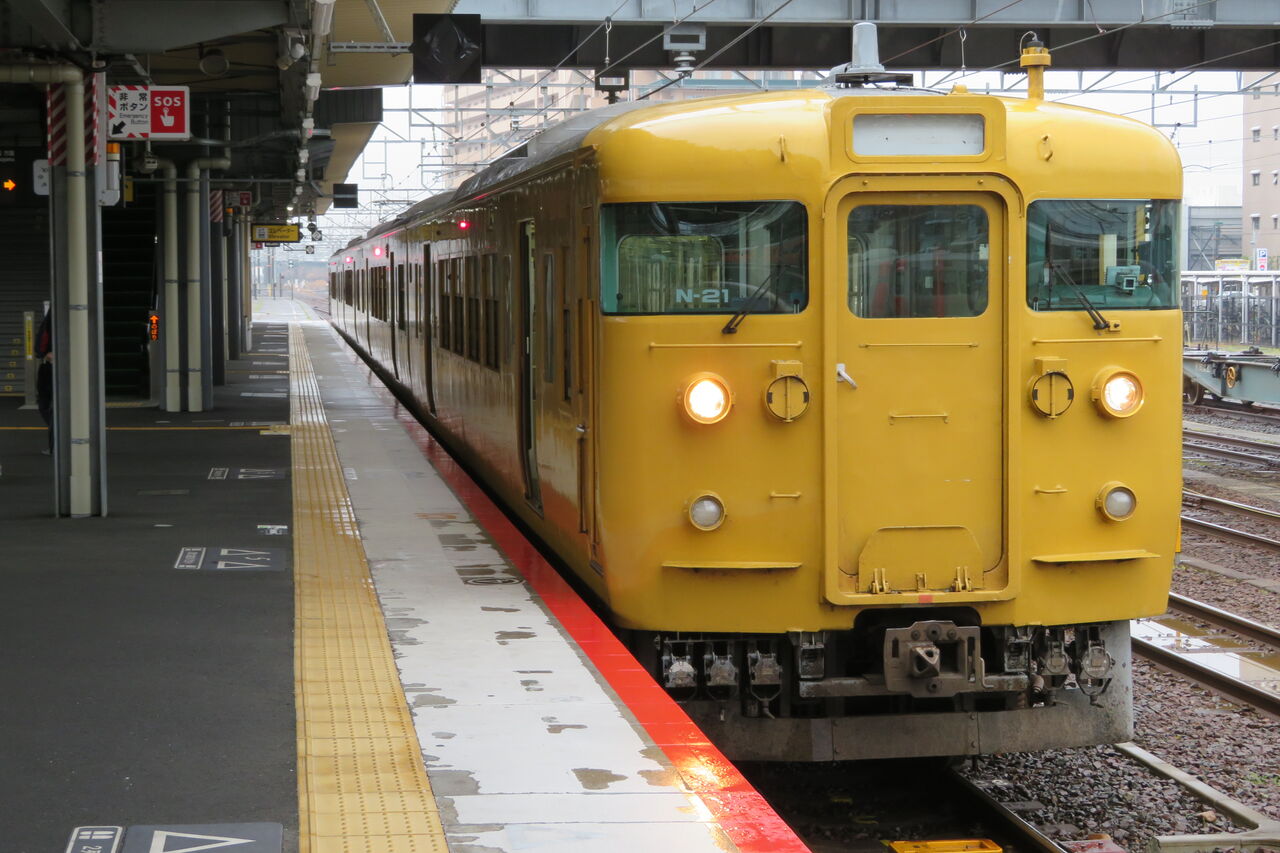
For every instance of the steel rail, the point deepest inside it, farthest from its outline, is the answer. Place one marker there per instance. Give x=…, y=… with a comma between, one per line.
x=1220, y=618
x=1258, y=512
x=1233, y=688
x=1223, y=453
x=1024, y=835
x=1229, y=533
x=1232, y=441
x=1213, y=409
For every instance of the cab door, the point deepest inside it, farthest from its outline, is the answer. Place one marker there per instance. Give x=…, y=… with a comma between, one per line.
x=917, y=295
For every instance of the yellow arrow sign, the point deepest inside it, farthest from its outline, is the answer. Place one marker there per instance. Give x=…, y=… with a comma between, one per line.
x=9, y=185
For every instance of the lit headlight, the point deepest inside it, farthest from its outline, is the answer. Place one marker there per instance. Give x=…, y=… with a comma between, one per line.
x=1117, y=502
x=706, y=399
x=1117, y=393
x=706, y=512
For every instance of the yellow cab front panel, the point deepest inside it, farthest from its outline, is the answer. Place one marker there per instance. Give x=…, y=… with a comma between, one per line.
x=919, y=473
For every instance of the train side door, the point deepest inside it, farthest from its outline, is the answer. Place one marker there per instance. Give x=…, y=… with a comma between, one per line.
x=585, y=373
x=428, y=325
x=916, y=384
x=392, y=311
x=526, y=298
x=367, y=290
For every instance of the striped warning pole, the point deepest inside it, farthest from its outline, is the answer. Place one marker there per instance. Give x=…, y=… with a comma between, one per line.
x=94, y=105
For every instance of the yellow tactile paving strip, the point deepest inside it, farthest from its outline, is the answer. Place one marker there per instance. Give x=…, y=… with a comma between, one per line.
x=361, y=784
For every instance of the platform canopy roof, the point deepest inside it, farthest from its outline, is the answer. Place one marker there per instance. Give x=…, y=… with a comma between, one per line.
x=251, y=66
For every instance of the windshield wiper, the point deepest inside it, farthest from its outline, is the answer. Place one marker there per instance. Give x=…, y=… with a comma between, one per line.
x=731, y=327
x=1100, y=323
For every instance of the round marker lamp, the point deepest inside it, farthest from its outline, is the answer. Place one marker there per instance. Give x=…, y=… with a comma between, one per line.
x=1117, y=502
x=706, y=512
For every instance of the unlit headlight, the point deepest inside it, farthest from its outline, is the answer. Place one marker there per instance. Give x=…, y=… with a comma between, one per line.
x=706, y=512
x=1117, y=502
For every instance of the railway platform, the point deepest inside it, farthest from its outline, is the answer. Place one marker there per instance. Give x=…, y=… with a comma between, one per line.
x=301, y=627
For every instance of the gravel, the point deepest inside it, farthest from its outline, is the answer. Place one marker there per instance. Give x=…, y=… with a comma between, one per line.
x=1072, y=793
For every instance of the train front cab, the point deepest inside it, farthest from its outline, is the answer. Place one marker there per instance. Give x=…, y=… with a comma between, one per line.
x=951, y=531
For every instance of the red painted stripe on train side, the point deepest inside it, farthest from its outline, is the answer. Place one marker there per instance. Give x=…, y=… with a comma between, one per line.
x=740, y=810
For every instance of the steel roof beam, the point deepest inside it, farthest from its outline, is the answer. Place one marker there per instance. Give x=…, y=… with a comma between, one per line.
x=50, y=20
x=154, y=26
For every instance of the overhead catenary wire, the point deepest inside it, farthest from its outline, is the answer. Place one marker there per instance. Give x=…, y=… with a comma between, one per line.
x=602, y=25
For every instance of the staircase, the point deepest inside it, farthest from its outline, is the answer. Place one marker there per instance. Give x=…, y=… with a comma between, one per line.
x=128, y=285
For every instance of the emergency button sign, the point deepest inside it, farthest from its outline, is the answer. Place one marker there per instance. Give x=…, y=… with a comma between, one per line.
x=170, y=116
x=149, y=112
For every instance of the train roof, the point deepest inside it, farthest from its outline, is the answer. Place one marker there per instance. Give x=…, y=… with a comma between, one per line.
x=572, y=134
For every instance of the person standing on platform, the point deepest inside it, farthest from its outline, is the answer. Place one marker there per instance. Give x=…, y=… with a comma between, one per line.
x=44, y=376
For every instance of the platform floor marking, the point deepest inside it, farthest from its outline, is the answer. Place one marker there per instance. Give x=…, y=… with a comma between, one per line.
x=361, y=781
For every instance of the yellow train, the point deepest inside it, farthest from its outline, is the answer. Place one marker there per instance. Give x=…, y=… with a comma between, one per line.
x=857, y=407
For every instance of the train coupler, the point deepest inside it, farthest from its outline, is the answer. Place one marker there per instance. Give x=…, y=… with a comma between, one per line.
x=933, y=659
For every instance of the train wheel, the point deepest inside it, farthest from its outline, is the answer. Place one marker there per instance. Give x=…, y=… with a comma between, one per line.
x=1192, y=392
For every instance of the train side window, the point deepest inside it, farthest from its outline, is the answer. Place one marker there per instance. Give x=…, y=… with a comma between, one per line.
x=473, y=309
x=459, y=302
x=491, y=311
x=1099, y=254
x=549, y=317
x=917, y=260
x=505, y=322
x=445, y=284
x=401, y=312
x=566, y=331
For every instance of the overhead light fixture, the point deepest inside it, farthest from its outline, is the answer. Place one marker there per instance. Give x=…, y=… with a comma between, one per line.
x=312, y=87
x=213, y=63
x=292, y=48
x=322, y=17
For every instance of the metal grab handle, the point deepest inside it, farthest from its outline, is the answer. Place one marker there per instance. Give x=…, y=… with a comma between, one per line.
x=841, y=376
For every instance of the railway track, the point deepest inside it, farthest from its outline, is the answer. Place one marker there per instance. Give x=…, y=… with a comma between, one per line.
x=1185, y=654
x=1268, y=417
x=1230, y=534
x=1011, y=829
x=1245, y=450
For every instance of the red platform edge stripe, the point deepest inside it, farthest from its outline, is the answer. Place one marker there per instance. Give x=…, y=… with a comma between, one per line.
x=734, y=804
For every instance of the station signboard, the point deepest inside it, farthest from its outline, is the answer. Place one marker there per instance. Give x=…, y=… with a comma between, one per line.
x=278, y=232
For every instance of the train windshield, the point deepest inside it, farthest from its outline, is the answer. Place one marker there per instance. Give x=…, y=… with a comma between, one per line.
x=1090, y=255
x=704, y=258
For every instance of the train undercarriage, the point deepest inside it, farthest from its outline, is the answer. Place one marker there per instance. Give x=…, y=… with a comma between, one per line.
x=900, y=684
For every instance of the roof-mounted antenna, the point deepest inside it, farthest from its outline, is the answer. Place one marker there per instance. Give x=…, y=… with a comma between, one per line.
x=865, y=67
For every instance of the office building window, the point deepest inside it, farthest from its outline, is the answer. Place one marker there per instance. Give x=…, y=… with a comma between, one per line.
x=1257, y=177
x=1257, y=134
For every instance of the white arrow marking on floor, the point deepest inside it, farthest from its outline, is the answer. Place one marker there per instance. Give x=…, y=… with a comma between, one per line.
x=161, y=836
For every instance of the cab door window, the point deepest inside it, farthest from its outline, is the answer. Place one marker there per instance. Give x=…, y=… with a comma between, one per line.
x=909, y=260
